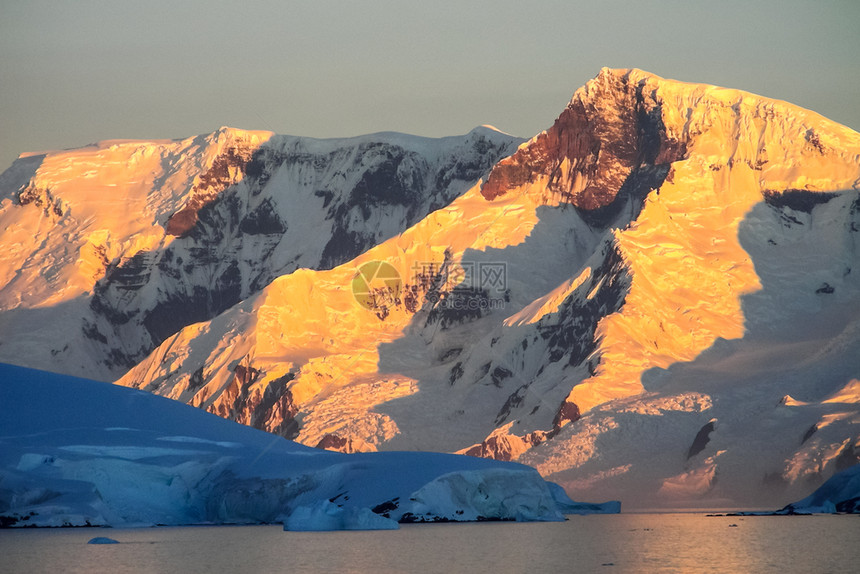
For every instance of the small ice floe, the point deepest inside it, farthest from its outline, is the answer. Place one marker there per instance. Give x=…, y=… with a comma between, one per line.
x=102, y=540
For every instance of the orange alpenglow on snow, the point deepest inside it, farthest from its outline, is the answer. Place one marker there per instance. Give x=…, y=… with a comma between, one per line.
x=665, y=257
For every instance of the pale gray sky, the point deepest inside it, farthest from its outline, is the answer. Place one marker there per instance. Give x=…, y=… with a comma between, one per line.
x=76, y=72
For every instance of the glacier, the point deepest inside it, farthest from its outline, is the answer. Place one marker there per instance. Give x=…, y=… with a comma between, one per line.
x=76, y=452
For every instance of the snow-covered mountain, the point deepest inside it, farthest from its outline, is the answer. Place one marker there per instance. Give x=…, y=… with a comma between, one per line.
x=656, y=299
x=840, y=494
x=112, y=248
x=78, y=452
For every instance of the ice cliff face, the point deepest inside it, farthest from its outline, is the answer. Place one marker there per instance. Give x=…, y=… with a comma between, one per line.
x=66, y=460
x=127, y=242
x=659, y=289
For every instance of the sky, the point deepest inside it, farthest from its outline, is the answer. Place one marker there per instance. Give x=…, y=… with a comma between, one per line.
x=72, y=73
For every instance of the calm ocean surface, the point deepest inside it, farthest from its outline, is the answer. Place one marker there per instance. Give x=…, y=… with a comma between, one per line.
x=613, y=543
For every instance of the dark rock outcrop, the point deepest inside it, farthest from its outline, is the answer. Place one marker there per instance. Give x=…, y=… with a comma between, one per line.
x=604, y=134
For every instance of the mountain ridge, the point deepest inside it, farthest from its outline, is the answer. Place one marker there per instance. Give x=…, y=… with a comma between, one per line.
x=640, y=248
x=136, y=274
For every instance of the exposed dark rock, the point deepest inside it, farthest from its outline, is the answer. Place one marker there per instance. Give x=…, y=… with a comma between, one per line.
x=327, y=196
x=92, y=332
x=344, y=245
x=120, y=358
x=182, y=221
x=445, y=306
x=798, y=199
x=450, y=354
x=459, y=305
x=855, y=210
x=267, y=407
x=701, y=440
x=456, y=372
x=809, y=432
x=173, y=314
x=514, y=400
x=100, y=306
x=505, y=447
x=386, y=507
x=130, y=273
x=639, y=162
x=568, y=412
x=499, y=374
x=570, y=332
x=394, y=182
x=603, y=134
x=196, y=381
x=34, y=195
x=218, y=220
x=638, y=184
x=263, y=221
x=208, y=278
x=814, y=141
x=410, y=518
x=277, y=406
x=471, y=168
x=246, y=374
x=210, y=184
x=334, y=442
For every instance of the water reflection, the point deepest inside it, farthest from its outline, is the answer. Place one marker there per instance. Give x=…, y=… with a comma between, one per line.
x=613, y=543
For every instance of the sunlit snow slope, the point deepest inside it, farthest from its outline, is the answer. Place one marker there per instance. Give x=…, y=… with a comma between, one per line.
x=656, y=299
x=112, y=248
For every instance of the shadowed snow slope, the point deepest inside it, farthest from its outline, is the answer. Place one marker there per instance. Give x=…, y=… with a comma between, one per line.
x=841, y=493
x=656, y=299
x=78, y=452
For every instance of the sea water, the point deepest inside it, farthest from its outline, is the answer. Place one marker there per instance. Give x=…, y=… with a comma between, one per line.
x=598, y=543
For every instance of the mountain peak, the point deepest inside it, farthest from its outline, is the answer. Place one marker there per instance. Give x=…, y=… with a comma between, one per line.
x=625, y=120
x=606, y=73
x=239, y=134
x=611, y=126
x=487, y=129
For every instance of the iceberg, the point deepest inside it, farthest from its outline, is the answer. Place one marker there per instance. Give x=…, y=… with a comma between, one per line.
x=494, y=494
x=76, y=452
x=325, y=515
